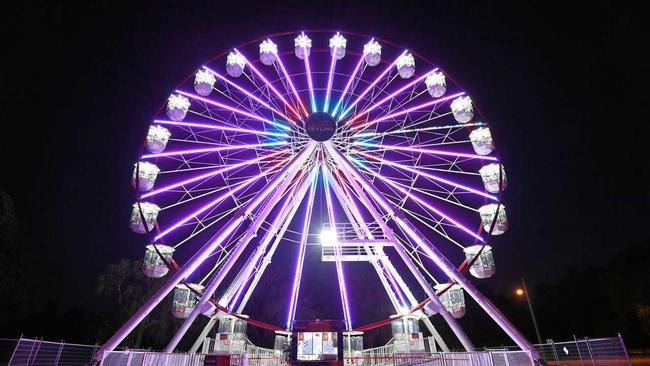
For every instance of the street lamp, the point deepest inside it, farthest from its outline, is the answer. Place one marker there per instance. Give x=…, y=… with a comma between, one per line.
x=523, y=291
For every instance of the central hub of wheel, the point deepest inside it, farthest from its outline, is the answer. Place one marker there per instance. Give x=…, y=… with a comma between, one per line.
x=320, y=126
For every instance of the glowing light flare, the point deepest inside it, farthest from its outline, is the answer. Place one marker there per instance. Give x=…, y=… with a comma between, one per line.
x=519, y=292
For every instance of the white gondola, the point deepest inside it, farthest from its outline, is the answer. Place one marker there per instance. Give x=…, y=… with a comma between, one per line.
x=483, y=266
x=302, y=44
x=372, y=53
x=268, y=52
x=177, y=107
x=337, y=46
x=481, y=139
x=235, y=63
x=144, y=175
x=488, y=212
x=204, y=82
x=157, y=138
x=494, y=177
x=462, y=109
x=453, y=299
x=152, y=265
x=150, y=213
x=185, y=300
x=405, y=65
x=436, y=84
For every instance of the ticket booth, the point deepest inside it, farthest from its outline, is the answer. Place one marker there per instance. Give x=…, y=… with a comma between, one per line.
x=317, y=342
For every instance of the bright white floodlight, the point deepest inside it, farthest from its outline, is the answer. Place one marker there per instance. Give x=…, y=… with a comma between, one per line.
x=328, y=237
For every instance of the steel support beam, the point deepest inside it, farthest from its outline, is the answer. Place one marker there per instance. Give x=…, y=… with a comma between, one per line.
x=279, y=185
x=355, y=178
x=439, y=259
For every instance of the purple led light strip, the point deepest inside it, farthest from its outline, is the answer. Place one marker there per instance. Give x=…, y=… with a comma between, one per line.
x=275, y=91
x=426, y=151
x=330, y=79
x=389, y=97
x=406, y=111
x=222, y=128
x=372, y=85
x=234, y=189
x=213, y=149
x=347, y=86
x=301, y=254
x=233, y=109
x=421, y=201
x=290, y=82
x=428, y=175
x=249, y=94
x=357, y=214
x=312, y=99
x=258, y=253
x=211, y=174
x=339, y=264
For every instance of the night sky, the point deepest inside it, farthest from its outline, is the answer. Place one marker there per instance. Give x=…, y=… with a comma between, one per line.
x=563, y=88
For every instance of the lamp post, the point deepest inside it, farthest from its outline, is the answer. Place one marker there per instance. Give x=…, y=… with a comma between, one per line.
x=523, y=291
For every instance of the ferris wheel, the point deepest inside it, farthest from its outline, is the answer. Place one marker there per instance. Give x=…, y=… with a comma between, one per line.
x=243, y=149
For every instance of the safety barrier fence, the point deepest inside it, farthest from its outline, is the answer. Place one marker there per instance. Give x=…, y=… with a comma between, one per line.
x=579, y=352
